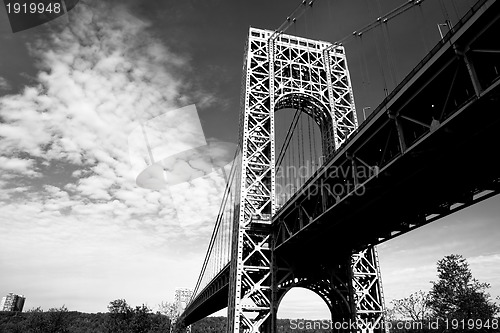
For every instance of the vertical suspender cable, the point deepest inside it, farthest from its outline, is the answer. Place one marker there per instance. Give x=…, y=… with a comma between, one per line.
x=365, y=63
x=222, y=239
x=287, y=181
x=379, y=58
x=455, y=10
x=388, y=50
x=294, y=157
x=445, y=13
x=284, y=171
x=224, y=229
x=300, y=139
x=385, y=35
x=311, y=158
x=217, y=264
x=316, y=161
x=304, y=160
x=221, y=250
x=381, y=67
x=299, y=156
x=230, y=222
x=422, y=34
x=279, y=168
x=360, y=60
x=305, y=21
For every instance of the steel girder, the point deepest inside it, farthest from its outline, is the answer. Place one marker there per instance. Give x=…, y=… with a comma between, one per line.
x=368, y=294
x=280, y=72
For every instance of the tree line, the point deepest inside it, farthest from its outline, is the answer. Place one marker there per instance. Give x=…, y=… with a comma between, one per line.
x=456, y=302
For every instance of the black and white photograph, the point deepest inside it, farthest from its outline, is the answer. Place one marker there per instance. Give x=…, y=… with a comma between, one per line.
x=279, y=166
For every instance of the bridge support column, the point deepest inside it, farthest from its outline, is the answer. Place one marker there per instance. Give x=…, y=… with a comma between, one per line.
x=249, y=300
x=367, y=291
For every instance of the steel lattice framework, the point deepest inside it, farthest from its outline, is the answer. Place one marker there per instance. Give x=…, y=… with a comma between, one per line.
x=283, y=71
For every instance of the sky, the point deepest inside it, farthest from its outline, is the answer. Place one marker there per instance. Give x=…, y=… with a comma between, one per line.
x=75, y=227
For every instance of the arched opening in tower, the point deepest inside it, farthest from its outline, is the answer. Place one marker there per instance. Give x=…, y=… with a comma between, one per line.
x=303, y=133
x=304, y=308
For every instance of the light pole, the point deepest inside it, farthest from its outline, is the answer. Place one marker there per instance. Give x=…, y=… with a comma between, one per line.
x=364, y=115
x=447, y=24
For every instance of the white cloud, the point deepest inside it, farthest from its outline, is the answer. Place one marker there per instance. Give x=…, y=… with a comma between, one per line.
x=99, y=77
x=493, y=259
x=18, y=165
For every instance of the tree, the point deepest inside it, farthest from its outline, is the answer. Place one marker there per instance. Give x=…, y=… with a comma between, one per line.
x=125, y=319
x=415, y=307
x=58, y=320
x=457, y=295
x=119, y=307
x=53, y=321
x=141, y=321
x=120, y=316
x=36, y=323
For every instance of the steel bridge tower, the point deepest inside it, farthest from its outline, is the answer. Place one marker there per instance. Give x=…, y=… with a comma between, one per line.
x=284, y=71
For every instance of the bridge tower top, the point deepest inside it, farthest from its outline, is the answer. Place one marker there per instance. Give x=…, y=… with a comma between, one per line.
x=301, y=73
